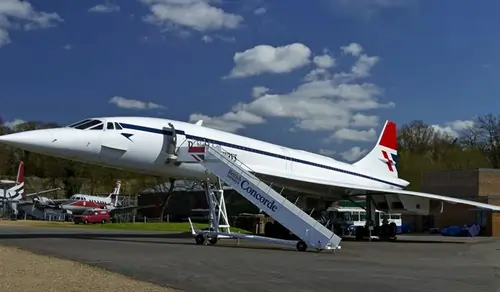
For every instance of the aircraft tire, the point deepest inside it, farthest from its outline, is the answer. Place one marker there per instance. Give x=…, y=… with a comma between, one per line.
x=199, y=239
x=301, y=246
x=393, y=230
x=360, y=230
x=212, y=240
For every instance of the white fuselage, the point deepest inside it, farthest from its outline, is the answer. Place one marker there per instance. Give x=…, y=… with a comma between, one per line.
x=94, y=199
x=141, y=143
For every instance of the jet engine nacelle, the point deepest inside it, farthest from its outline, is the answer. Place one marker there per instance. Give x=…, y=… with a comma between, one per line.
x=420, y=206
x=436, y=207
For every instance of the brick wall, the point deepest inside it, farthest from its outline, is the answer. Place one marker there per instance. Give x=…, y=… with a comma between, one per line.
x=466, y=184
x=494, y=219
x=452, y=183
x=489, y=182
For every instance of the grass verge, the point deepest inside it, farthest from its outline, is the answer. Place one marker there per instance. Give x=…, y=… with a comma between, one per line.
x=138, y=226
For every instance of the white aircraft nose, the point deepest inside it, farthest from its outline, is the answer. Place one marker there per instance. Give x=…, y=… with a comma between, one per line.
x=29, y=140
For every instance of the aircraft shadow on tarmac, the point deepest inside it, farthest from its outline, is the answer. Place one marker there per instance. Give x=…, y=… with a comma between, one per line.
x=96, y=235
x=185, y=238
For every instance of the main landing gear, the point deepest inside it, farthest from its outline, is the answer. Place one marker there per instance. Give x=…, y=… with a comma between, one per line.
x=373, y=229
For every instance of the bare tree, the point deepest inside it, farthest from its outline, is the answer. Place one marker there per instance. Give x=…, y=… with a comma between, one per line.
x=416, y=137
x=485, y=135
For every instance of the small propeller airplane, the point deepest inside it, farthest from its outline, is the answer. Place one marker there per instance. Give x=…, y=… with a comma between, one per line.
x=150, y=145
x=78, y=203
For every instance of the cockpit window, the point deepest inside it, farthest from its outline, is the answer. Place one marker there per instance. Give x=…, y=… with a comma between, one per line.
x=118, y=127
x=79, y=123
x=110, y=126
x=88, y=124
x=98, y=127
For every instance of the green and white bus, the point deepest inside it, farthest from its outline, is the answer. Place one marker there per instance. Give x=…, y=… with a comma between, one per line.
x=356, y=216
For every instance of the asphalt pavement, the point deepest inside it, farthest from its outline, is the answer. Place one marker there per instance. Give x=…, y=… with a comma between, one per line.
x=173, y=260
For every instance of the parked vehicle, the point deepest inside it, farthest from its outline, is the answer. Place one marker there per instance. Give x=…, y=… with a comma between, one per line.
x=93, y=216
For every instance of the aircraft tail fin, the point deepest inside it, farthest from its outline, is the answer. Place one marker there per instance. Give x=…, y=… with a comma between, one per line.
x=17, y=191
x=383, y=158
x=20, y=173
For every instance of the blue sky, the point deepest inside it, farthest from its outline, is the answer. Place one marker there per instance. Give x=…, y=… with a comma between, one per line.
x=321, y=77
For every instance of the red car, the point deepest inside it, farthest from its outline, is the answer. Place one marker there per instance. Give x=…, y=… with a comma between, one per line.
x=92, y=216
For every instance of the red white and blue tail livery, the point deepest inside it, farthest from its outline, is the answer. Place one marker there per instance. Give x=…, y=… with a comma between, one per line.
x=384, y=155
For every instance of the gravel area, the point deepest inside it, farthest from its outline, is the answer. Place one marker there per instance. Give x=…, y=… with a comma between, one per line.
x=25, y=271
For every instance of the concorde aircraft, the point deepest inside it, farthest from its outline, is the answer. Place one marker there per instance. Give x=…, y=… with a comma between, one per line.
x=152, y=145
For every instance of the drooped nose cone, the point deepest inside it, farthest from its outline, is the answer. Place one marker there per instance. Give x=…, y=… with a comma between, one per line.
x=35, y=141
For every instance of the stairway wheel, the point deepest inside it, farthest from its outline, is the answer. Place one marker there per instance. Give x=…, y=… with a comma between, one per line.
x=301, y=246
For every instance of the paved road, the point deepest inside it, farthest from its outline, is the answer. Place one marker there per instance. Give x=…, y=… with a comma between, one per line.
x=176, y=262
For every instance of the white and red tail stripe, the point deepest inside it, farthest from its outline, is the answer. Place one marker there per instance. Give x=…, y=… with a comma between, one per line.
x=20, y=173
x=383, y=158
x=17, y=192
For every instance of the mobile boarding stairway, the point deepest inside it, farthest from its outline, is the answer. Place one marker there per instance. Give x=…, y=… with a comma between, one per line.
x=233, y=172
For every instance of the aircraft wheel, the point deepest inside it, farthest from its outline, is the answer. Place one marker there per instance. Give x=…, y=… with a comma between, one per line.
x=393, y=231
x=301, y=246
x=360, y=230
x=199, y=239
x=212, y=240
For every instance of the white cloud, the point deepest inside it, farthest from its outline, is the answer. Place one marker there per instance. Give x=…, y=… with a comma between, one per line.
x=365, y=9
x=258, y=91
x=268, y=59
x=126, y=103
x=260, y=11
x=353, y=49
x=453, y=128
x=16, y=14
x=355, y=135
x=353, y=153
x=327, y=152
x=209, y=39
x=105, y=8
x=329, y=102
x=229, y=122
x=324, y=61
x=360, y=120
x=13, y=123
x=198, y=15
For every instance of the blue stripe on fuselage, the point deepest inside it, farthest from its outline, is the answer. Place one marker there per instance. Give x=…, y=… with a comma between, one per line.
x=225, y=144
